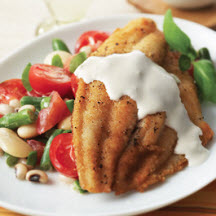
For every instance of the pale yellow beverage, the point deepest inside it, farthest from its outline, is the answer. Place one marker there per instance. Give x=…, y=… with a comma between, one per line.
x=66, y=11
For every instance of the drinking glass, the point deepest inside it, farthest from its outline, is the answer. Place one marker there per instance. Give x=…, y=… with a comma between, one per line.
x=63, y=12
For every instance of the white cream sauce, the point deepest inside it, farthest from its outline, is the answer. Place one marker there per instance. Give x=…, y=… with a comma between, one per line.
x=153, y=89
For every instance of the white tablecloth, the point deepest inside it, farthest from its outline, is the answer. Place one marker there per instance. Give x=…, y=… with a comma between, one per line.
x=19, y=19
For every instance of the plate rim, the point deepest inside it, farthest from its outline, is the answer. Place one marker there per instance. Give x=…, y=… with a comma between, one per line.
x=15, y=52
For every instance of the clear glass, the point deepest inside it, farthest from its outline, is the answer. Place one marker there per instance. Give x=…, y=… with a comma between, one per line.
x=63, y=12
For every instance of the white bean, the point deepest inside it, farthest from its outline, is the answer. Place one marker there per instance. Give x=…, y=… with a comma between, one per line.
x=15, y=103
x=12, y=144
x=6, y=109
x=87, y=50
x=27, y=131
x=65, y=124
x=66, y=179
x=63, y=55
x=31, y=107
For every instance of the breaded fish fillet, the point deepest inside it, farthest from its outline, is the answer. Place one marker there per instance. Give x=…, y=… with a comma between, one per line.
x=113, y=150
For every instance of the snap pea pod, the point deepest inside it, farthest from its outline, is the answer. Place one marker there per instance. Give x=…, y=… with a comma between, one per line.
x=32, y=158
x=45, y=163
x=36, y=101
x=25, y=77
x=58, y=44
x=45, y=102
x=15, y=120
x=78, y=188
x=205, y=77
x=70, y=105
x=77, y=61
x=203, y=53
x=11, y=160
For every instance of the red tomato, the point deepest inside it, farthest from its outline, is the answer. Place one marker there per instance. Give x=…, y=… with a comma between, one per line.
x=1, y=115
x=74, y=84
x=11, y=89
x=47, y=78
x=60, y=155
x=37, y=146
x=53, y=114
x=91, y=38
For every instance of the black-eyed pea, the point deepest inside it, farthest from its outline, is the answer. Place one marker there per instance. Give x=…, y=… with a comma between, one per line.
x=21, y=171
x=38, y=176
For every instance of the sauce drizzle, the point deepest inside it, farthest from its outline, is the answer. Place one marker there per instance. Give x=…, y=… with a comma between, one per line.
x=153, y=89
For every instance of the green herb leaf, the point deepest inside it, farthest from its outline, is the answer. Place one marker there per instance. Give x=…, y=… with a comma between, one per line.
x=58, y=44
x=56, y=61
x=205, y=77
x=78, y=188
x=184, y=63
x=77, y=61
x=176, y=38
x=70, y=105
x=25, y=78
x=32, y=158
x=203, y=53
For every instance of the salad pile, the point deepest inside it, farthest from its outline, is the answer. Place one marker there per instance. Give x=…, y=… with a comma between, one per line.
x=35, y=111
x=35, y=121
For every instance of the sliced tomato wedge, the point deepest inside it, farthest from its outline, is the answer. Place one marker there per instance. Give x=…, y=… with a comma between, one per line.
x=91, y=38
x=37, y=146
x=47, y=78
x=74, y=84
x=60, y=155
x=11, y=89
x=53, y=114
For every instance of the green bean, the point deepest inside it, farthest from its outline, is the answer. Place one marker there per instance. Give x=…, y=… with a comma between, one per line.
x=70, y=105
x=11, y=160
x=203, y=53
x=25, y=77
x=15, y=120
x=78, y=188
x=32, y=158
x=77, y=61
x=45, y=102
x=58, y=44
x=45, y=163
x=31, y=100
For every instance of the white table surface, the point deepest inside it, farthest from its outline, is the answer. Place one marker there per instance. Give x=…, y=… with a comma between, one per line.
x=19, y=19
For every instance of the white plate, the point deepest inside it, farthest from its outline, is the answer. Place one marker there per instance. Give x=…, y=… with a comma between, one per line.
x=59, y=199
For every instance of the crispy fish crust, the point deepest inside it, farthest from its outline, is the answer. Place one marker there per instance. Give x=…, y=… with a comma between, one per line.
x=113, y=150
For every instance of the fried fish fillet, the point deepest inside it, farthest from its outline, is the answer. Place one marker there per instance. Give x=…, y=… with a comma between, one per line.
x=113, y=149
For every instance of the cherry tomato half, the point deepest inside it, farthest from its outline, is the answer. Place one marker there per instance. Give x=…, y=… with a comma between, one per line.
x=53, y=114
x=91, y=38
x=74, y=84
x=37, y=146
x=60, y=155
x=11, y=89
x=47, y=78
